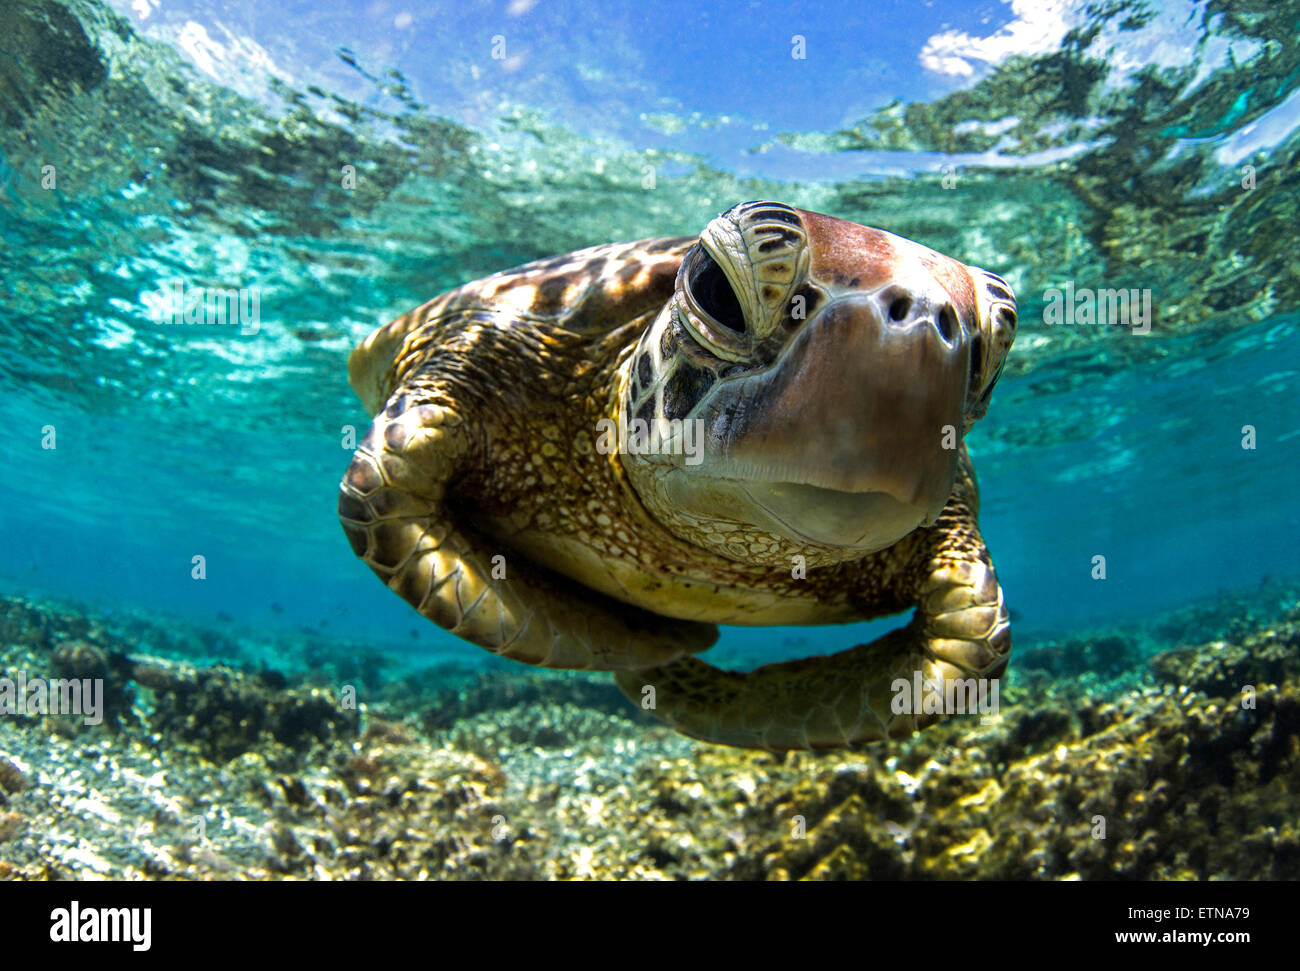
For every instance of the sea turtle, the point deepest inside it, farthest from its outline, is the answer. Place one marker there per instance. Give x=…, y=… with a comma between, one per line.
x=589, y=461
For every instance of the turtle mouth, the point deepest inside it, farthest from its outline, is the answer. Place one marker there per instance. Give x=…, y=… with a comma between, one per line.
x=859, y=416
x=809, y=514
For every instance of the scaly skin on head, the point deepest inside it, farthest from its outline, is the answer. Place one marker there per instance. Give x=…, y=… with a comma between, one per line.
x=480, y=495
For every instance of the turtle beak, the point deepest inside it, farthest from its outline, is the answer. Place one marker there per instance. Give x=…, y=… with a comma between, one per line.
x=852, y=436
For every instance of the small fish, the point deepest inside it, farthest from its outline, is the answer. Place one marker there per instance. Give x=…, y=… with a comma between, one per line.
x=276, y=608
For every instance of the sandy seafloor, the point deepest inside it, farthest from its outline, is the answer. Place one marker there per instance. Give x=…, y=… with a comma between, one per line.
x=1126, y=753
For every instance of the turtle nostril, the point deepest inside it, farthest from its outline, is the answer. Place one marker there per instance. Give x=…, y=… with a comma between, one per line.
x=948, y=323
x=899, y=308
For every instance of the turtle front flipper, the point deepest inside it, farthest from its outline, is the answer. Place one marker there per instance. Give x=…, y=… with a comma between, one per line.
x=958, y=640
x=392, y=508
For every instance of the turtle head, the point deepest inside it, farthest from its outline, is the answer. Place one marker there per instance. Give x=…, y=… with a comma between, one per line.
x=810, y=380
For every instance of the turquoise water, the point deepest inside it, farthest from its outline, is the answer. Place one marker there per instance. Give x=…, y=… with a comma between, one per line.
x=1098, y=145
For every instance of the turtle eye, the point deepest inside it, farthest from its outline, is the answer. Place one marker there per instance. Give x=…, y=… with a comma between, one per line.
x=713, y=294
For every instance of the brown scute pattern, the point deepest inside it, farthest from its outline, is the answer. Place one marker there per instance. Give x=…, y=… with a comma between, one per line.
x=1001, y=327
x=588, y=291
x=750, y=213
x=684, y=389
x=649, y=407
x=671, y=340
x=776, y=256
x=552, y=295
x=490, y=397
x=392, y=509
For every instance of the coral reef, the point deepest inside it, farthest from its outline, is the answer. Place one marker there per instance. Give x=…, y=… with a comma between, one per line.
x=1220, y=668
x=226, y=713
x=1105, y=762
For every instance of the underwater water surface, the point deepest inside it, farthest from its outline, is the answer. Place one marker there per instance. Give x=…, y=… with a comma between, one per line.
x=346, y=162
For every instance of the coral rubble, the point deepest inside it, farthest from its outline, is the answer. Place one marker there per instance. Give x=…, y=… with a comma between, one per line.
x=1106, y=762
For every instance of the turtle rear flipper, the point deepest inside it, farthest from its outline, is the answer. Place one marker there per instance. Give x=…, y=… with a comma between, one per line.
x=391, y=505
